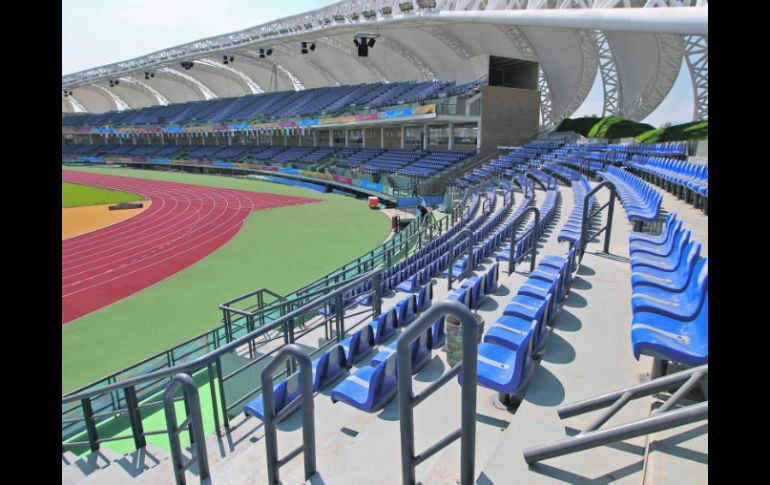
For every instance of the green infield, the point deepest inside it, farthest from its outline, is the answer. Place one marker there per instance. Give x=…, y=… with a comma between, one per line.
x=76, y=195
x=281, y=249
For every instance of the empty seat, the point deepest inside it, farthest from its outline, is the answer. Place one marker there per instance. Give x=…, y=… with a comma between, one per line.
x=358, y=345
x=369, y=388
x=329, y=367
x=285, y=399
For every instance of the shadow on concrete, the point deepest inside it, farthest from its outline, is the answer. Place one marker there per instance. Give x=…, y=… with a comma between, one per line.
x=138, y=461
x=559, y=351
x=585, y=270
x=496, y=422
x=545, y=389
x=574, y=300
x=581, y=284
x=432, y=371
x=489, y=305
x=669, y=446
x=570, y=477
x=391, y=411
x=502, y=290
x=567, y=321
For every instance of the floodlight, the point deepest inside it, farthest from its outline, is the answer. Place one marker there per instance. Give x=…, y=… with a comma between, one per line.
x=405, y=6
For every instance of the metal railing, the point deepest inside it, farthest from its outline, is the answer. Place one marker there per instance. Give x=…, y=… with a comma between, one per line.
x=661, y=419
x=407, y=401
x=451, y=258
x=194, y=422
x=271, y=418
x=208, y=361
x=585, y=236
x=534, y=233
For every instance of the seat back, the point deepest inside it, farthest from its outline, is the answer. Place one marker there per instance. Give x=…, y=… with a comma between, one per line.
x=698, y=288
x=383, y=378
x=336, y=364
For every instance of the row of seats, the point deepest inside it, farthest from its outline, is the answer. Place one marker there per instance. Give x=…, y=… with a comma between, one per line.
x=686, y=180
x=572, y=229
x=669, y=282
x=640, y=200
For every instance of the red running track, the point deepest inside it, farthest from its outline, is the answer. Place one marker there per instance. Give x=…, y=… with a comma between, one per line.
x=184, y=224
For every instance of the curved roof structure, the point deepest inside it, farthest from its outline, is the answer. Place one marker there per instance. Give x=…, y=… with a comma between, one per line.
x=636, y=47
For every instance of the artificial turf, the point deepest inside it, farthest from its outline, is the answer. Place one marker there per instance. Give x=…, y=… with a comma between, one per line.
x=76, y=195
x=281, y=249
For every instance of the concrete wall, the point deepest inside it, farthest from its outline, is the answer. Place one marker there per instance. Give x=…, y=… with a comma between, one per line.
x=509, y=116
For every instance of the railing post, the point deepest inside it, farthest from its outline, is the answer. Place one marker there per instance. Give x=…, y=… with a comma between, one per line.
x=610, y=212
x=190, y=393
x=88, y=416
x=134, y=417
x=308, y=423
x=377, y=297
x=450, y=258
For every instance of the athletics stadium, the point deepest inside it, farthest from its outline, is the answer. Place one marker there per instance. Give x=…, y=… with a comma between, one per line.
x=377, y=242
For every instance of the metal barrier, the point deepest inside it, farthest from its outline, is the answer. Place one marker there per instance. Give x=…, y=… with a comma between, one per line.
x=193, y=421
x=535, y=232
x=451, y=256
x=585, y=237
x=661, y=419
x=308, y=421
x=407, y=401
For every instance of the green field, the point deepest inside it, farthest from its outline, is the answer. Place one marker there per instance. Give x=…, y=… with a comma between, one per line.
x=76, y=195
x=280, y=249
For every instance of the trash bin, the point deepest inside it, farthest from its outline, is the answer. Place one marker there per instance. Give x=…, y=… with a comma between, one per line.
x=395, y=223
x=374, y=202
x=454, y=337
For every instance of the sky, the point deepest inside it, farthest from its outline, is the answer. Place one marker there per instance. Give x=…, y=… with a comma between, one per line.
x=98, y=32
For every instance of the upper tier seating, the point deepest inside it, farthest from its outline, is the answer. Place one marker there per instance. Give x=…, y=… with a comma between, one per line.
x=641, y=201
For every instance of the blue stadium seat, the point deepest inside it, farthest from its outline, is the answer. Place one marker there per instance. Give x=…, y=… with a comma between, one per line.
x=329, y=367
x=369, y=388
x=358, y=345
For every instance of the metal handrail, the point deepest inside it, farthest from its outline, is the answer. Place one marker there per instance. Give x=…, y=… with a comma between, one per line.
x=535, y=233
x=451, y=259
x=407, y=401
x=661, y=419
x=308, y=423
x=607, y=229
x=193, y=421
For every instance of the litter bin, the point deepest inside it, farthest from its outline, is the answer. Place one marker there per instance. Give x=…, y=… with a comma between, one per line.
x=454, y=337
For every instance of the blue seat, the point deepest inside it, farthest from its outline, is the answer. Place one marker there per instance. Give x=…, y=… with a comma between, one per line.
x=668, y=263
x=475, y=285
x=462, y=294
x=681, y=305
x=410, y=284
x=358, y=345
x=502, y=369
x=660, y=250
x=406, y=310
x=491, y=279
x=425, y=297
x=438, y=333
x=329, y=367
x=285, y=398
x=510, y=331
x=369, y=388
x=526, y=307
x=654, y=242
x=420, y=350
x=666, y=338
x=673, y=281
x=384, y=326
x=544, y=290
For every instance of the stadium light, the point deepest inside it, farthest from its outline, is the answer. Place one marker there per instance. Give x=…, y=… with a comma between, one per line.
x=308, y=48
x=227, y=60
x=386, y=10
x=148, y=75
x=426, y=3
x=369, y=14
x=406, y=6
x=187, y=65
x=338, y=17
x=264, y=53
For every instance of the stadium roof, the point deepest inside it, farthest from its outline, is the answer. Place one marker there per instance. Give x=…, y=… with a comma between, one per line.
x=635, y=46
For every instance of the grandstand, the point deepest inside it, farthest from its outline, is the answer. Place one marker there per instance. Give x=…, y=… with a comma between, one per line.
x=551, y=328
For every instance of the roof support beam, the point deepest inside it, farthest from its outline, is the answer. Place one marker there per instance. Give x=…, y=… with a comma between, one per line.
x=143, y=86
x=204, y=90
x=697, y=56
x=253, y=87
x=120, y=105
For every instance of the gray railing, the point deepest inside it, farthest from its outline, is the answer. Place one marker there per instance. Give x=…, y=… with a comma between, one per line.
x=194, y=422
x=271, y=418
x=451, y=258
x=586, y=236
x=534, y=233
x=407, y=401
x=661, y=419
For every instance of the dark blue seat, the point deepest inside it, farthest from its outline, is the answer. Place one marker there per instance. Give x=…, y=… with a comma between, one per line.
x=673, y=281
x=420, y=350
x=285, y=398
x=526, y=307
x=358, y=345
x=425, y=297
x=438, y=334
x=510, y=331
x=329, y=367
x=503, y=369
x=544, y=290
x=384, y=326
x=463, y=295
x=369, y=388
x=406, y=310
x=491, y=278
x=668, y=263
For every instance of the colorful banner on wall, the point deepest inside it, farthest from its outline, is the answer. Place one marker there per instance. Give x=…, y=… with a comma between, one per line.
x=285, y=128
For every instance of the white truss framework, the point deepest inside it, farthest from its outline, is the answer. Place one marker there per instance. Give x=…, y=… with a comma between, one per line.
x=146, y=87
x=697, y=56
x=281, y=70
x=347, y=50
x=450, y=40
x=75, y=105
x=120, y=105
x=407, y=53
x=306, y=58
x=204, y=90
x=246, y=80
x=613, y=104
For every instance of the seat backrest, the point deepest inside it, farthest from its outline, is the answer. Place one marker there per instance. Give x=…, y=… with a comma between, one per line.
x=698, y=286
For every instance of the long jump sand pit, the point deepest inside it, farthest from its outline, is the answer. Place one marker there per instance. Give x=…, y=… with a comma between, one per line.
x=81, y=220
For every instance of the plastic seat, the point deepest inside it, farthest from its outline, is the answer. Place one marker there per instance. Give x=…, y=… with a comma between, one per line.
x=420, y=350
x=680, y=341
x=668, y=263
x=438, y=333
x=673, y=281
x=369, y=388
x=660, y=250
x=510, y=331
x=527, y=307
x=329, y=367
x=424, y=297
x=682, y=305
x=406, y=310
x=358, y=345
x=285, y=398
x=502, y=369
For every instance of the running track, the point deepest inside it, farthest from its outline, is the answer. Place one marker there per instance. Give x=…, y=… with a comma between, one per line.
x=184, y=224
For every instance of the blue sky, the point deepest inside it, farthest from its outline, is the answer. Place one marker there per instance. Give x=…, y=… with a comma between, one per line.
x=98, y=32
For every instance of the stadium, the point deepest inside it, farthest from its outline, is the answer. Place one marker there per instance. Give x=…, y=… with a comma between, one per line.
x=383, y=242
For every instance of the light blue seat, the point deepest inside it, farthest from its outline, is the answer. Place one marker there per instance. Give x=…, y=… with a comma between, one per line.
x=671, y=339
x=369, y=388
